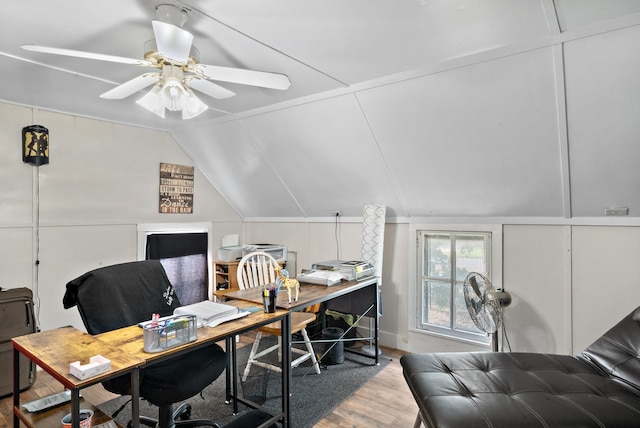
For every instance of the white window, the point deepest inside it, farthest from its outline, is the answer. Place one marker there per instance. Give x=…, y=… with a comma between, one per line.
x=444, y=257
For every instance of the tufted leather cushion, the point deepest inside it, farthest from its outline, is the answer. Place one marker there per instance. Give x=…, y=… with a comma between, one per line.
x=512, y=390
x=617, y=351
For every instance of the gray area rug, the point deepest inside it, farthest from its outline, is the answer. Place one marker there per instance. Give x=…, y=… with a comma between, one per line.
x=312, y=396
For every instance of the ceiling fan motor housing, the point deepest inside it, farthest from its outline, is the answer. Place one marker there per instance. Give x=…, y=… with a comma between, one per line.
x=171, y=14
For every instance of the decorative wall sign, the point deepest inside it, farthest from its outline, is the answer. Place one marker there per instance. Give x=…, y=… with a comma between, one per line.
x=176, y=189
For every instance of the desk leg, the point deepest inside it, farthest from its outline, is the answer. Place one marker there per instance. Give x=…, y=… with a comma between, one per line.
x=227, y=346
x=16, y=387
x=234, y=378
x=376, y=318
x=135, y=397
x=286, y=368
x=75, y=408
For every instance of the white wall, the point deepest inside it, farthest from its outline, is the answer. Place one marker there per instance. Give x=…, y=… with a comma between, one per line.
x=101, y=182
x=569, y=283
x=605, y=280
x=536, y=272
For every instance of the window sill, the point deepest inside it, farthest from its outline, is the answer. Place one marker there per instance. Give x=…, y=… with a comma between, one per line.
x=458, y=339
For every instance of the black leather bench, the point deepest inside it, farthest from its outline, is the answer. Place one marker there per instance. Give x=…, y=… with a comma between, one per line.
x=598, y=388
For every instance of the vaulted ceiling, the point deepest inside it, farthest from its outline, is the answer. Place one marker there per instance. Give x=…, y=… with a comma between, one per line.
x=453, y=108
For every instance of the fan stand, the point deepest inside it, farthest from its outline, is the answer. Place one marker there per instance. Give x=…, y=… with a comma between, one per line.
x=505, y=300
x=494, y=341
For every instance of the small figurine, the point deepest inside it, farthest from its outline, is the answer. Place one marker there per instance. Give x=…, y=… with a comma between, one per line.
x=286, y=282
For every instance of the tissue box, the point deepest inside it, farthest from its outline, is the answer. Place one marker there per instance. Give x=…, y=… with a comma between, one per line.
x=97, y=364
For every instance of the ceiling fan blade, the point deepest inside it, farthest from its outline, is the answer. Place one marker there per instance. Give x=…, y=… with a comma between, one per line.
x=246, y=77
x=131, y=86
x=210, y=88
x=88, y=55
x=173, y=42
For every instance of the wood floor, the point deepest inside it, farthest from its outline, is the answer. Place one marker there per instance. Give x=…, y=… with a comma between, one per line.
x=384, y=401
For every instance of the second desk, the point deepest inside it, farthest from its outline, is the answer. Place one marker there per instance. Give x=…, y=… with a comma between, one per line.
x=361, y=297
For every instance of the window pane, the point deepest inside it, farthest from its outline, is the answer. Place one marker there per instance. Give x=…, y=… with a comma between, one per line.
x=470, y=256
x=436, y=303
x=438, y=256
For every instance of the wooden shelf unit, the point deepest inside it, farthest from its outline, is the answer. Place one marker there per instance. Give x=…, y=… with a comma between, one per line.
x=225, y=272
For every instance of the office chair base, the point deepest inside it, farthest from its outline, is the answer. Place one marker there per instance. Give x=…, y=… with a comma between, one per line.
x=178, y=419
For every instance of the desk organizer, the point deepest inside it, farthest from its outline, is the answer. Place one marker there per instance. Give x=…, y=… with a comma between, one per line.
x=171, y=332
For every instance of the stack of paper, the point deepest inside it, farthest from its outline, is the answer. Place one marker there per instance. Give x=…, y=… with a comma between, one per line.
x=210, y=313
x=322, y=277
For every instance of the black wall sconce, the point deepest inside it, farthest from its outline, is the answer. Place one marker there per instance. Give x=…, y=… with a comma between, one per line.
x=35, y=145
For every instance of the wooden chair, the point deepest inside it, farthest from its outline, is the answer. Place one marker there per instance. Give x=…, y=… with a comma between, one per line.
x=255, y=270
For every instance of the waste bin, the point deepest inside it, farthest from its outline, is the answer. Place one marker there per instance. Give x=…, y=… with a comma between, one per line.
x=333, y=351
x=254, y=388
x=344, y=321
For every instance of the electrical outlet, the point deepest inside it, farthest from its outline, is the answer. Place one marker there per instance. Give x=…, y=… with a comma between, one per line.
x=335, y=213
x=616, y=211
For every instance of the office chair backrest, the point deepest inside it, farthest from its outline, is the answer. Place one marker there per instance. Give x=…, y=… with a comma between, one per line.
x=256, y=269
x=121, y=295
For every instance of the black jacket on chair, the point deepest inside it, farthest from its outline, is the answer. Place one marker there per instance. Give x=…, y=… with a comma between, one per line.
x=125, y=294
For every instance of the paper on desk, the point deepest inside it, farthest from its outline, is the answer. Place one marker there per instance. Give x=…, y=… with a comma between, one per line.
x=210, y=313
x=323, y=277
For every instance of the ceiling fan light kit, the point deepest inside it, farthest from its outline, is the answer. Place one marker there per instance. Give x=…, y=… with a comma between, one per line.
x=173, y=53
x=173, y=94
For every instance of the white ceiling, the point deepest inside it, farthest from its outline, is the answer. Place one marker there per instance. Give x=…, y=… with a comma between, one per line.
x=480, y=108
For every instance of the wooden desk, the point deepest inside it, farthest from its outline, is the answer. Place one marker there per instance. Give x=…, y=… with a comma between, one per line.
x=310, y=294
x=54, y=351
x=130, y=340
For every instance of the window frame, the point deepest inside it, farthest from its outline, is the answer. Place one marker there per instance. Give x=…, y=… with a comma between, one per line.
x=415, y=274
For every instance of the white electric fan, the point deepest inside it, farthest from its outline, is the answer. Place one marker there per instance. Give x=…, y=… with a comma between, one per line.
x=485, y=304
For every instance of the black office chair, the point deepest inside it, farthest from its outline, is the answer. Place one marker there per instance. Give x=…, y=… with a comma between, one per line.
x=121, y=295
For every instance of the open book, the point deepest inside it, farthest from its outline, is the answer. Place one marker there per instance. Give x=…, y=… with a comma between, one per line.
x=210, y=313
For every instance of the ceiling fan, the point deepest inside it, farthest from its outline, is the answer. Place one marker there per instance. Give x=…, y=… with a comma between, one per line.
x=178, y=69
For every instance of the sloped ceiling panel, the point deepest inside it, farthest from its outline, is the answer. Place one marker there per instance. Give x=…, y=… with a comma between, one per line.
x=475, y=141
x=235, y=164
x=360, y=40
x=414, y=90
x=603, y=107
x=573, y=14
x=325, y=153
